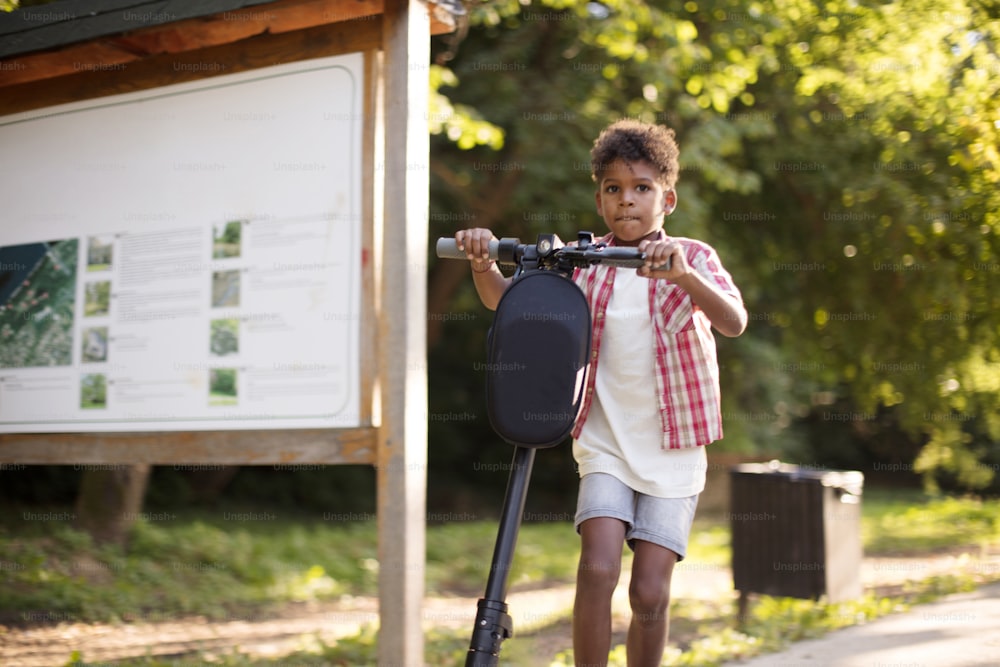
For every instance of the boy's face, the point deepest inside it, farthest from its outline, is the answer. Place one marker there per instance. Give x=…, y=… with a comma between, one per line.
x=632, y=201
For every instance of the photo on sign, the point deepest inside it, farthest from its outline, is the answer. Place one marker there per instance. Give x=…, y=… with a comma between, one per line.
x=95, y=344
x=222, y=386
x=97, y=298
x=225, y=336
x=225, y=289
x=100, y=252
x=93, y=391
x=226, y=239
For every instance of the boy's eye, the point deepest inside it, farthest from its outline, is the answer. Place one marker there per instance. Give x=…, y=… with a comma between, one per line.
x=642, y=187
x=611, y=188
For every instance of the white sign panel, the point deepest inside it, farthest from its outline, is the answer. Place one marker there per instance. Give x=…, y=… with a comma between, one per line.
x=186, y=258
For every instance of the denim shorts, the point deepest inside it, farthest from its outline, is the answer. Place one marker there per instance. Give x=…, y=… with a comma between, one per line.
x=662, y=521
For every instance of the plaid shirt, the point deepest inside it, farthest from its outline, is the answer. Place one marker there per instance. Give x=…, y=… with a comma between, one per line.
x=687, y=370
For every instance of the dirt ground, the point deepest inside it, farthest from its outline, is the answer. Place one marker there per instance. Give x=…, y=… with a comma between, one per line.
x=540, y=617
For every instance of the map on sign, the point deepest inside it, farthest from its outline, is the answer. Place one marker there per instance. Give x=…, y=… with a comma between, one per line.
x=194, y=261
x=37, y=296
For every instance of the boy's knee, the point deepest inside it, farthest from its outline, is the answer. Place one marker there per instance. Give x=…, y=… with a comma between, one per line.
x=650, y=603
x=599, y=574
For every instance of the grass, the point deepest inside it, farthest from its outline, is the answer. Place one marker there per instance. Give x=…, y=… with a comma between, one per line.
x=912, y=524
x=183, y=565
x=212, y=565
x=232, y=564
x=459, y=556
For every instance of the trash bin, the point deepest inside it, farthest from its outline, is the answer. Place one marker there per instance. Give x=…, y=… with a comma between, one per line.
x=796, y=531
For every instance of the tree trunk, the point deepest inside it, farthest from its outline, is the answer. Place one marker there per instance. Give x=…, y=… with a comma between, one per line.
x=110, y=500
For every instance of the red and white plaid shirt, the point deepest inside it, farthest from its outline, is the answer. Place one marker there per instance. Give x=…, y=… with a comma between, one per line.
x=687, y=370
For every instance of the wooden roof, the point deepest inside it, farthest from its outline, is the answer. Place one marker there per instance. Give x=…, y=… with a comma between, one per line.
x=58, y=24
x=74, y=49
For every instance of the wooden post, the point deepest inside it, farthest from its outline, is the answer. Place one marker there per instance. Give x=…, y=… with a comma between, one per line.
x=402, y=317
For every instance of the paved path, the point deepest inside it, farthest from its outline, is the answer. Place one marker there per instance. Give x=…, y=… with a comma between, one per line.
x=961, y=630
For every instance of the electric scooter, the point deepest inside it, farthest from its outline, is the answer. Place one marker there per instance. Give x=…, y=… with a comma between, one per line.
x=539, y=348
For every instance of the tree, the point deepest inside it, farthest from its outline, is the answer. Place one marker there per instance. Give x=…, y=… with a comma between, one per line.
x=841, y=156
x=110, y=500
x=887, y=171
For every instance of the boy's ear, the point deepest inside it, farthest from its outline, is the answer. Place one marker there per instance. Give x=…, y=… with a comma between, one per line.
x=669, y=201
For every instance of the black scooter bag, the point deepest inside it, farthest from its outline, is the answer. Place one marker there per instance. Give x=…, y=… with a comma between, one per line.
x=538, y=359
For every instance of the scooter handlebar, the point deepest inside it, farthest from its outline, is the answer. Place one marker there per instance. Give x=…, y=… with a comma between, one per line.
x=447, y=248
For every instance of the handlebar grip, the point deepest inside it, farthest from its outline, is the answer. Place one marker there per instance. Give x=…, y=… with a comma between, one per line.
x=664, y=267
x=447, y=248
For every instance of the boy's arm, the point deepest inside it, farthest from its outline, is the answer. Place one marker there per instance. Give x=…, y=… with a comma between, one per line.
x=489, y=281
x=726, y=313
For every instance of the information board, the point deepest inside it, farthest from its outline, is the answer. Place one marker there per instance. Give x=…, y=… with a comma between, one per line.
x=187, y=258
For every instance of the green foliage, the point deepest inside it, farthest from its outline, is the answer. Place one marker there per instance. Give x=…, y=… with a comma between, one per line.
x=459, y=123
x=892, y=262
x=940, y=523
x=841, y=156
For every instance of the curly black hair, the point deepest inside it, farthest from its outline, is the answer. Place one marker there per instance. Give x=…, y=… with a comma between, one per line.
x=634, y=141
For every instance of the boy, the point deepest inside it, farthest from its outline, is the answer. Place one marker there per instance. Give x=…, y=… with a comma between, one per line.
x=652, y=402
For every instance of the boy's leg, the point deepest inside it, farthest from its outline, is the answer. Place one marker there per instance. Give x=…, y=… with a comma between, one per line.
x=601, y=542
x=659, y=540
x=649, y=596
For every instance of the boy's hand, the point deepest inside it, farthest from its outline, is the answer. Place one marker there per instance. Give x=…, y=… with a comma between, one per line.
x=657, y=254
x=490, y=282
x=475, y=243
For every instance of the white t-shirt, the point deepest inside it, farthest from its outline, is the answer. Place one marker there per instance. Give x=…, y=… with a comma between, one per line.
x=623, y=432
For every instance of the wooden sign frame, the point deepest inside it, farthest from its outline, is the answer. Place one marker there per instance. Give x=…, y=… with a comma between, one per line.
x=231, y=442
